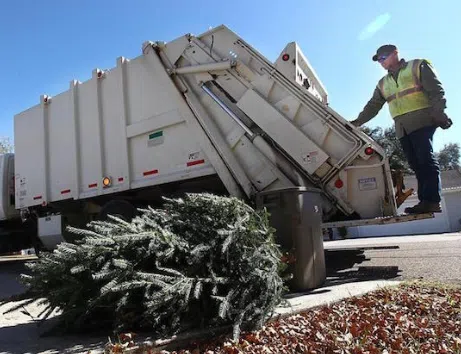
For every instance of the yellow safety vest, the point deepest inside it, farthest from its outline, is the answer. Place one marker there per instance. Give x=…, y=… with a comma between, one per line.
x=405, y=95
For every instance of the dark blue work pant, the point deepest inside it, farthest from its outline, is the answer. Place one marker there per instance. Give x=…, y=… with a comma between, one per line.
x=419, y=152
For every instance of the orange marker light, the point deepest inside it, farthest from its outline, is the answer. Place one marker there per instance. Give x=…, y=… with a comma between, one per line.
x=106, y=182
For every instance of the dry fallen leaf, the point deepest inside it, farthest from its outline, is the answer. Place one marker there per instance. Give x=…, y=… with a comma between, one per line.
x=409, y=319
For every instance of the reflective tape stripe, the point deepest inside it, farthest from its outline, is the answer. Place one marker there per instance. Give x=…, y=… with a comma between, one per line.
x=38, y=197
x=381, y=86
x=93, y=185
x=193, y=163
x=65, y=191
x=405, y=93
x=416, y=79
x=415, y=72
x=150, y=173
x=391, y=98
x=410, y=91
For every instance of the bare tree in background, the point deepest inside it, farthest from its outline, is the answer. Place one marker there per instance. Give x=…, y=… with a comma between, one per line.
x=449, y=156
x=6, y=145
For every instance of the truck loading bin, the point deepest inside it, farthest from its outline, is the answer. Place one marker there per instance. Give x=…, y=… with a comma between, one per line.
x=296, y=214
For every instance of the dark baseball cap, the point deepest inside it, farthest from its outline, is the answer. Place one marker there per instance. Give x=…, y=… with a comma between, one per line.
x=384, y=50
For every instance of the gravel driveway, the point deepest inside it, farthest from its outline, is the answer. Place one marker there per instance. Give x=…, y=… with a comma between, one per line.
x=436, y=257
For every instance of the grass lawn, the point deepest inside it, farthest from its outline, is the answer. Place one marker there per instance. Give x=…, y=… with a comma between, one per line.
x=414, y=317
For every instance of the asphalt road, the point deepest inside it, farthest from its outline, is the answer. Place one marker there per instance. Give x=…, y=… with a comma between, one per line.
x=349, y=262
x=431, y=258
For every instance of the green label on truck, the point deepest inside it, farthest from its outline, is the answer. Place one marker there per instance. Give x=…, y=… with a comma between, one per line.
x=155, y=138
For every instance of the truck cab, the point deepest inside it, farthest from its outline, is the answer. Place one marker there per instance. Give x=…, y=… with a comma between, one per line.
x=7, y=195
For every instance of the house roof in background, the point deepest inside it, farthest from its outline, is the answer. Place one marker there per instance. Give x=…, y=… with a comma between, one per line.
x=450, y=179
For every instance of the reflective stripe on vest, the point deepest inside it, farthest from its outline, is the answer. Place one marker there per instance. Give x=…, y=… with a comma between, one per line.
x=405, y=95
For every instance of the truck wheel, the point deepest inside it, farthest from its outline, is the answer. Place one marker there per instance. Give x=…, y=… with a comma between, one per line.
x=38, y=246
x=119, y=208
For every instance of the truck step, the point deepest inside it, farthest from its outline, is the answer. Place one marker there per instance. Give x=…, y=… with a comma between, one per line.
x=379, y=221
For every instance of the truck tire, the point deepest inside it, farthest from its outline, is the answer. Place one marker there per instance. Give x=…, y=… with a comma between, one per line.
x=118, y=208
x=38, y=246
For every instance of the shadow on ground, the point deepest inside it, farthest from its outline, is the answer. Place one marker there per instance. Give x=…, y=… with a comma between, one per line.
x=16, y=339
x=344, y=266
x=20, y=334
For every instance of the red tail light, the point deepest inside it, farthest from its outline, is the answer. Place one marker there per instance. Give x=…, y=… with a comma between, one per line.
x=369, y=151
x=285, y=57
x=339, y=183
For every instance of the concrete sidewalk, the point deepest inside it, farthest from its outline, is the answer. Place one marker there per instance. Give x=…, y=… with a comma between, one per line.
x=331, y=294
x=394, y=240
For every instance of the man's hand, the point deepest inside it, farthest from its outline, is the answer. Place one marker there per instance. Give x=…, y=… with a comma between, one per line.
x=447, y=124
x=442, y=120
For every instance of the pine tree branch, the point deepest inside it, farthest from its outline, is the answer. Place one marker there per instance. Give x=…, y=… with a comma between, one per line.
x=161, y=270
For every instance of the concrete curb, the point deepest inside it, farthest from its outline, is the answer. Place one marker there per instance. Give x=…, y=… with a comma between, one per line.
x=332, y=294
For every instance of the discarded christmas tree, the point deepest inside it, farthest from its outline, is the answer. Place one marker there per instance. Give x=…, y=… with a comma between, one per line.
x=200, y=261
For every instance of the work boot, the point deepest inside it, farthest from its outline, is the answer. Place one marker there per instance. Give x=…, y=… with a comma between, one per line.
x=424, y=207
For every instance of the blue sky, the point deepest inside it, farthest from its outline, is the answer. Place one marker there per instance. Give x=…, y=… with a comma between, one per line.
x=46, y=44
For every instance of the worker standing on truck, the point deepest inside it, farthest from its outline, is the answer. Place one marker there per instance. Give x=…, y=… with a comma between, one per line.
x=417, y=104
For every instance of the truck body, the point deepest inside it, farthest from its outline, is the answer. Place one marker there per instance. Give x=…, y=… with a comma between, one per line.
x=205, y=113
x=15, y=235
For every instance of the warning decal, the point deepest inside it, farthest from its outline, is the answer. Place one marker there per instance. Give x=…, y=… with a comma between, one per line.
x=368, y=184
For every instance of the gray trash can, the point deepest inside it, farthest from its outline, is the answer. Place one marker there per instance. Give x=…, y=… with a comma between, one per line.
x=296, y=214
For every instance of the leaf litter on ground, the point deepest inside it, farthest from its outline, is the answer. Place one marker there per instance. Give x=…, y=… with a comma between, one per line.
x=414, y=317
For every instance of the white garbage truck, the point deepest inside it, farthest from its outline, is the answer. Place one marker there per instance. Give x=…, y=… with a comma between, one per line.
x=205, y=113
